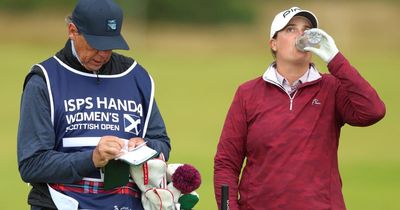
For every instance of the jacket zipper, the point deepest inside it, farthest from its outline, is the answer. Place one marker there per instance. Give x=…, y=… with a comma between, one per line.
x=291, y=100
x=290, y=97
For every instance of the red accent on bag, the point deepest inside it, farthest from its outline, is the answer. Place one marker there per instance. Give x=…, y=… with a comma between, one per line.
x=145, y=173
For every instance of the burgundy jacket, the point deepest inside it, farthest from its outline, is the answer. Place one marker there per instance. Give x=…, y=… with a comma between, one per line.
x=290, y=143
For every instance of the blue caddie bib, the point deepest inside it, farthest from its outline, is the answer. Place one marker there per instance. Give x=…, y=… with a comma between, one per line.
x=85, y=107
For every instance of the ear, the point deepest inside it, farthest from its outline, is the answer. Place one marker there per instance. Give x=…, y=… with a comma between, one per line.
x=272, y=44
x=72, y=31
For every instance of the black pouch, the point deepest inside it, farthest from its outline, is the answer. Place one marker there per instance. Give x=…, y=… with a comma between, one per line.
x=116, y=174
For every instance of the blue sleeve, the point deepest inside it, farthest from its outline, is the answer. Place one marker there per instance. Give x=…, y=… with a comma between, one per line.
x=37, y=161
x=156, y=134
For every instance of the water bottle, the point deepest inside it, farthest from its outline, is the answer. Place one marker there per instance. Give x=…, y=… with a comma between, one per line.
x=308, y=39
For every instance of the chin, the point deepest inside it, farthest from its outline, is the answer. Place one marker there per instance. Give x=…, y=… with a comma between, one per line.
x=301, y=60
x=93, y=67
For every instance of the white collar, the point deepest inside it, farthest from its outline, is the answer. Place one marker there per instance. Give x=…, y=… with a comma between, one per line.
x=282, y=80
x=271, y=75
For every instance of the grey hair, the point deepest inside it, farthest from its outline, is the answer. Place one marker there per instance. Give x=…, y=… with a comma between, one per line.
x=68, y=19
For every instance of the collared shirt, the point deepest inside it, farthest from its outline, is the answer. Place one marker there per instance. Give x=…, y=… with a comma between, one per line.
x=271, y=76
x=74, y=53
x=286, y=85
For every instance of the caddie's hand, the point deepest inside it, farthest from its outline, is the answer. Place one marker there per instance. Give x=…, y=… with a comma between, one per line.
x=327, y=49
x=134, y=142
x=109, y=148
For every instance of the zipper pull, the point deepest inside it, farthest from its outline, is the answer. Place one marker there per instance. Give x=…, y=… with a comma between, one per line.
x=291, y=104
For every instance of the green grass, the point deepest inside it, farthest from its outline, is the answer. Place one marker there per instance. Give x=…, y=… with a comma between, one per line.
x=371, y=185
x=197, y=70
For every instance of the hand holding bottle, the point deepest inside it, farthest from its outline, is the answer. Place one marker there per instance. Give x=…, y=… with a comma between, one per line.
x=327, y=47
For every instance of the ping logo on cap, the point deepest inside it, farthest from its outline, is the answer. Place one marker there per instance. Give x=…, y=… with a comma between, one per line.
x=293, y=9
x=111, y=25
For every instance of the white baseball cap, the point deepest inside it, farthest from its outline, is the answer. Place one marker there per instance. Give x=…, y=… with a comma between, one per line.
x=283, y=18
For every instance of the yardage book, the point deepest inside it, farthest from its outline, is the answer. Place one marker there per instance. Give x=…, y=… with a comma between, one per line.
x=138, y=155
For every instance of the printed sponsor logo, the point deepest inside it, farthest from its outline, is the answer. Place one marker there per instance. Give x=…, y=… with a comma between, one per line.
x=315, y=102
x=121, y=208
x=111, y=25
x=102, y=113
x=287, y=12
x=131, y=123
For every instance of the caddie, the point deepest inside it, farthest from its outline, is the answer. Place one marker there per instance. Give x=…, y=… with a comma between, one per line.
x=80, y=109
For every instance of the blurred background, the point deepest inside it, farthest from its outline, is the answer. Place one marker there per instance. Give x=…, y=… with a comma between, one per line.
x=198, y=52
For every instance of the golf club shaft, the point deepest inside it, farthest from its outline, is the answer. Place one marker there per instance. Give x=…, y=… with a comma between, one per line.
x=224, y=197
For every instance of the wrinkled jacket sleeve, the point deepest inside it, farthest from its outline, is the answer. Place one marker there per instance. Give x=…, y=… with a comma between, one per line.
x=156, y=135
x=230, y=153
x=37, y=161
x=357, y=102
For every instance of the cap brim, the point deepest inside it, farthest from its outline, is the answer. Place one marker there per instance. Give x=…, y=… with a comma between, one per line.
x=310, y=17
x=106, y=42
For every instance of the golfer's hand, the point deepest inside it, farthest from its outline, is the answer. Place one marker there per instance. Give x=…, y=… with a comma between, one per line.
x=133, y=142
x=327, y=49
x=109, y=148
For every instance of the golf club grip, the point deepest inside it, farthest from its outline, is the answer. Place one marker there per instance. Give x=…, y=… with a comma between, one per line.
x=224, y=197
